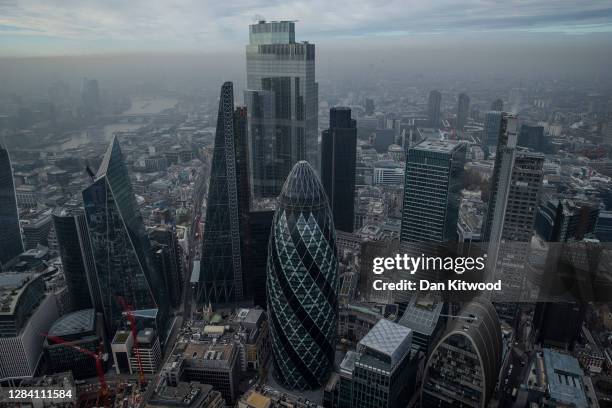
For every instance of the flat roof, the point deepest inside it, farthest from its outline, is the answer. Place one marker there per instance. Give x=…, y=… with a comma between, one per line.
x=436, y=145
x=74, y=323
x=388, y=338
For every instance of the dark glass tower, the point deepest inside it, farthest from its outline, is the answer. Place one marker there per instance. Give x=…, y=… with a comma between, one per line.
x=338, y=157
x=221, y=269
x=10, y=235
x=121, y=248
x=72, y=245
x=433, y=108
x=463, y=110
x=302, y=282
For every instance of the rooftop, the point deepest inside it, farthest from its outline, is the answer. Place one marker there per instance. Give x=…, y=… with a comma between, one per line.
x=388, y=339
x=434, y=145
x=564, y=377
x=74, y=323
x=422, y=314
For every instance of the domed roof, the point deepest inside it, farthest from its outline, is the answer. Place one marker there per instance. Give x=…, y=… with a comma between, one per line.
x=302, y=188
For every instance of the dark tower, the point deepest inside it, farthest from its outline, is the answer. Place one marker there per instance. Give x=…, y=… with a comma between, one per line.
x=221, y=267
x=433, y=108
x=338, y=157
x=10, y=235
x=463, y=111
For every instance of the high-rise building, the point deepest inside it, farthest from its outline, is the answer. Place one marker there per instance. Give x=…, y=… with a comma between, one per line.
x=121, y=249
x=566, y=220
x=512, y=208
x=302, y=282
x=532, y=137
x=463, y=110
x=369, y=106
x=282, y=104
x=338, y=161
x=11, y=245
x=492, y=125
x=603, y=229
x=433, y=108
x=256, y=253
x=464, y=366
x=432, y=191
x=75, y=253
x=167, y=253
x=497, y=105
x=383, y=372
x=221, y=266
x=90, y=97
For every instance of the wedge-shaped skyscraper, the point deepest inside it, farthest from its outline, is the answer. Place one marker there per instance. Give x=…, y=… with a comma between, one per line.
x=10, y=235
x=120, y=246
x=302, y=282
x=221, y=279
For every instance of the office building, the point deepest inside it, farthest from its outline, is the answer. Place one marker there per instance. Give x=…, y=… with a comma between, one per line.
x=369, y=107
x=386, y=172
x=75, y=253
x=26, y=311
x=382, y=373
x=167, y=254
x=282, y=104
x=603, y=229
x=463, y=111
x=221, y=266
x=302, y=282
x=121, y=249
x=532, y=137
x=338, y=161
x=185, y=395
x=432, y=191
x=383, y=138
x=433, y=108
x=149, y=351
x=492, y=126
x=566, y=220
x=78, y=329
x=424, y=315
x=464, y=366
x=10, y=235
x=36, y=229
x=497, y=105
x=549, y=332
x=256, y=253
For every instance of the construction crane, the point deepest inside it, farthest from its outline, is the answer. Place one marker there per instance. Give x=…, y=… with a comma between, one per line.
x=129, y=312
x=99, y=357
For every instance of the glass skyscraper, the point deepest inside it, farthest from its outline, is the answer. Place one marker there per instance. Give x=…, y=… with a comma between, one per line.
x=302, y=282
x=282, y=104
x=11, y=245
x=463, y=111
x=221, y=269
x=338, y=157
x=121, y=248
x=433, y=108
x=432, y=191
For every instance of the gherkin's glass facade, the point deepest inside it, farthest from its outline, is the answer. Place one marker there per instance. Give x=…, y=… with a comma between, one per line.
x=302, y=282
x=121, y=250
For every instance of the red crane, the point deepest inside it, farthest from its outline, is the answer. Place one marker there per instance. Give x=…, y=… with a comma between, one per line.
x=99, y=358
x=129, y=312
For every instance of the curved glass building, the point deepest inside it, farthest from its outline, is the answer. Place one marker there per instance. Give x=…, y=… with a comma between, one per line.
x=464, y=366
x=302, y=282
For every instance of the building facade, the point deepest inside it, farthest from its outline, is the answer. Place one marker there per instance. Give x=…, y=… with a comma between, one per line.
x=282, y=104
x=338, y=160
x=463, y=111
x=433, y=108
x=11, y=245
x=302, y=282
x=221, y=266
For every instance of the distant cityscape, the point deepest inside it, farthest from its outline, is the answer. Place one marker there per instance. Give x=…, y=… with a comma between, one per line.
x=165, y=249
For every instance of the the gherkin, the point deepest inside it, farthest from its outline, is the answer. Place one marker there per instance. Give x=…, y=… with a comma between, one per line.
x=302, y=282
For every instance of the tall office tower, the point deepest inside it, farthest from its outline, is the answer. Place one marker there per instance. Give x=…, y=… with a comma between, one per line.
x=11, y=245
x=282, y=104
x=90, y=96
x=533, y=138
x=463, y=110
x=369, y=107
x=497, y=105
x=167, y=253
x=513, y=202
x=75, y=253
x=256, y=243
x=492, y=126
x=121, y=249
x=432, y=191
x=221, y=266
x=549, y=332
x=463, y=368
x=338, y=160
x=567, y=220
x=433, y=108
x=383, y=372
x=302, y=282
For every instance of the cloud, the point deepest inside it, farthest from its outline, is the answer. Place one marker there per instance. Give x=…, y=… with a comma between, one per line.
x=82, y=26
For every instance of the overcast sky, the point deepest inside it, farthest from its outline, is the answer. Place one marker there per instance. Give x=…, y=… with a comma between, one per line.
x=75, y=27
